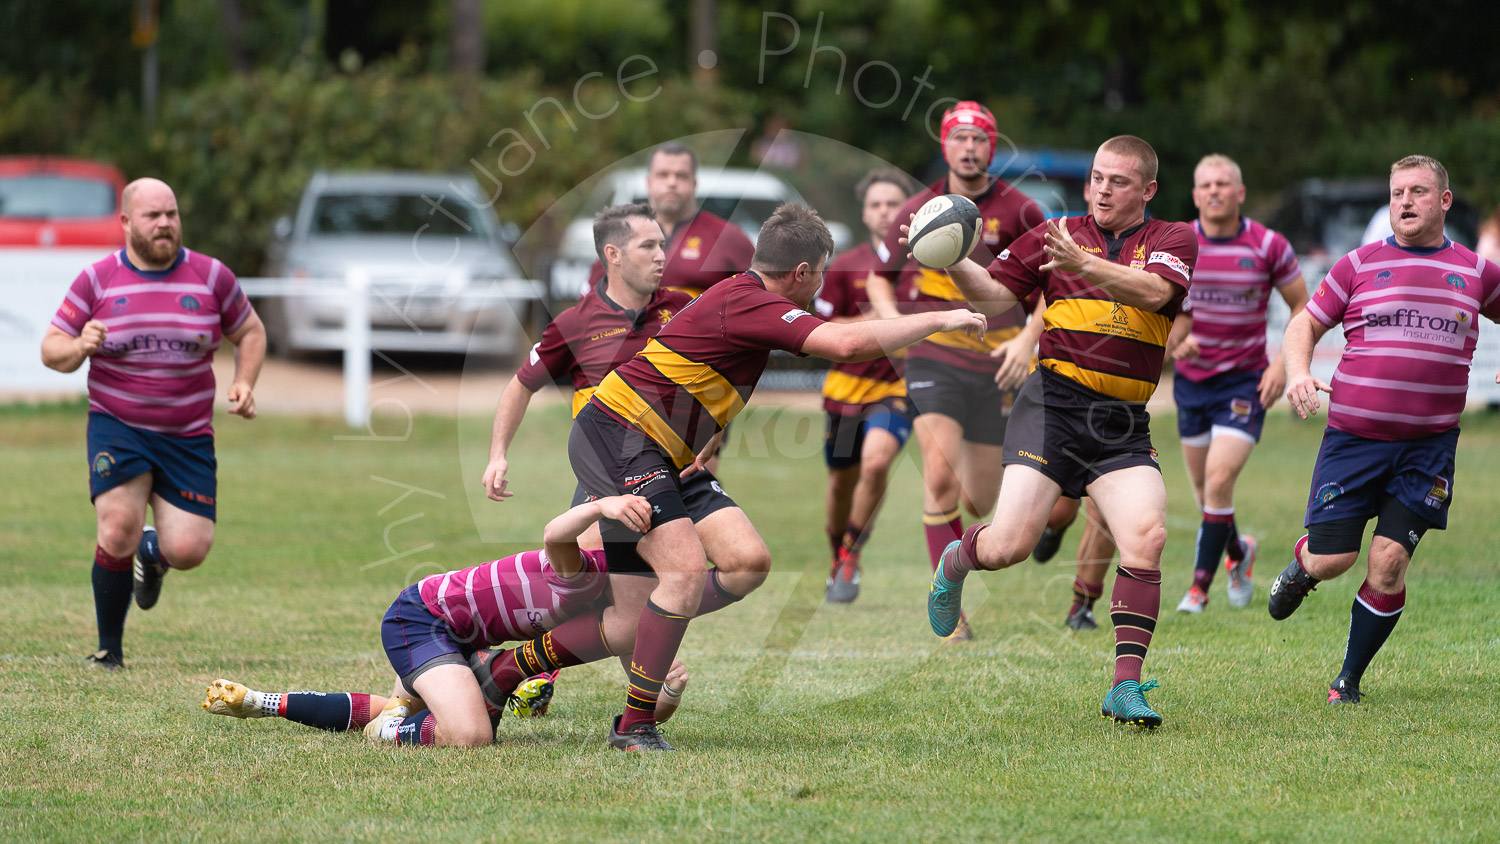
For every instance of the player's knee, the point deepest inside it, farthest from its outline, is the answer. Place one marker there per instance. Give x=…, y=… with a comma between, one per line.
x=995, y=551
x=186, y=552
x=1149, y=544
x=466, y=734
x=118, y=536
x=875, y=469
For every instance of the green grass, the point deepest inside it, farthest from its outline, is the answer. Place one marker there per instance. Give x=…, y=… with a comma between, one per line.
x=803, y=721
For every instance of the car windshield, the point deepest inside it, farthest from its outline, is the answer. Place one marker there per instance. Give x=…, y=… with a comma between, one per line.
x=404, y=214
x=56, y=197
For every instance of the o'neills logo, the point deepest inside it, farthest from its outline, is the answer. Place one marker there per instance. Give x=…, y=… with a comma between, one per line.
x=1029, y=456
x=1410, y=318
x=610, y=333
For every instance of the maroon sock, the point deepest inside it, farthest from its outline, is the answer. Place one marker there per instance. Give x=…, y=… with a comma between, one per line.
x=1134, y=605
x=574, y=642
x=1203, y=579
x=715, y=596
x=1085, y=593
x=941, y=529
x=1235, y=548
x=958, y=566
x=854, y=537
x=656, y=641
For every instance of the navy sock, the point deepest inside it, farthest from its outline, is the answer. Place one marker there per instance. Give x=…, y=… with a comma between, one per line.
x=1234, y=547
x=419, y=728
x=1371, y=620
x=1213, y=535
x=113, y=582
x=336, y=712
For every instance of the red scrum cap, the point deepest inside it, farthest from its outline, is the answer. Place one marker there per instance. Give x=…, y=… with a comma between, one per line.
x=970, y=115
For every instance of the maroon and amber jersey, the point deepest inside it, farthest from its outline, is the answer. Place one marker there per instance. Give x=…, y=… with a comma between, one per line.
x=1006, y=214
x=591, y=339
x=700, y=370
x=1087, y=336
x=850, y=387
x=700, y=253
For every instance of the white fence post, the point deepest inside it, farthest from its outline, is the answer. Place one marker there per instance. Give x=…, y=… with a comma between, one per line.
x=357, y=349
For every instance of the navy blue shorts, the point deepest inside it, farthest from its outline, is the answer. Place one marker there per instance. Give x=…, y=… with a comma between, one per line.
x=846, y=434
x=415, y=640
x=1230, y=402
x=1354, y=475
x=183, y=469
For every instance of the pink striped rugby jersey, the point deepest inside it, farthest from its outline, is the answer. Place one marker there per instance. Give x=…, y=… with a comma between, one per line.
x=512, y=599
x=1231, y=289
x=1410, y=317
x=155, y=369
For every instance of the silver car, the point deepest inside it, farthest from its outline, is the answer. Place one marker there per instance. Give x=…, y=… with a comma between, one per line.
x=439, y=273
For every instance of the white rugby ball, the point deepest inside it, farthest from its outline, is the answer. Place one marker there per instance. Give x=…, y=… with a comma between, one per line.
x=944, y=231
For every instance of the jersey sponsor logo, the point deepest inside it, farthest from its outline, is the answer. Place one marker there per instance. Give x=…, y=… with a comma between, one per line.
x=188, y=303
x=1202, y=295
x=152, y=344
x=610, y=333
x=532, y=620
x=1172, y=261
x=1455, y=281
x=103, y=463
x=1029, y=456
x=692, y=249
x=1383, y=279
x=636, y=483
x=792, y=315
x=1439, y=492
x=992, y=231
x=68, y=311
x=119, y=306
x=1327, y=493
x=1411, y=325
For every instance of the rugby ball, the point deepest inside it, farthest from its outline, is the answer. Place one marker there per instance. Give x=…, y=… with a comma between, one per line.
x=944, y=231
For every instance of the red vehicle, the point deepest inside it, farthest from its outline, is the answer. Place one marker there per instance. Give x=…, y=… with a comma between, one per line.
x=53, y=201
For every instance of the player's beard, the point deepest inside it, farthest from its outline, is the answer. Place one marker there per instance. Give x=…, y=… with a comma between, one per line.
x=155, y=250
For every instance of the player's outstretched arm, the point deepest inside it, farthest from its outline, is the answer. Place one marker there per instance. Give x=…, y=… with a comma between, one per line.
x=1302, y=333
x=560, y=537
x=882, y=296
x=985, y=294
x=249, y=354
x=871, y=339
x=508, y=415
x=65, y=353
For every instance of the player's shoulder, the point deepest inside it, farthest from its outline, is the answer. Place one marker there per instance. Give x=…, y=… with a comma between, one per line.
x=861, y=257
x=707, y=223
x=675, y=300
x=1159, y=228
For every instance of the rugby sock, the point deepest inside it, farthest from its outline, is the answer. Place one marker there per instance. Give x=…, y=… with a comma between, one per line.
x=113, y=582
x=1371, y=619
x=656, y=643
x=835, y=542
x=335, y=712
x=574, y=642
x=957, y=567
x=1085, y=593
x=854, y=538
x=941, y=529
x=1213, y=535
x=420, y=728
x=715, y=596
x=1234, y=547
x=1134, y=605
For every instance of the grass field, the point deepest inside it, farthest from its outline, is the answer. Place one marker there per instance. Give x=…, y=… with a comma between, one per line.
x=803, y=721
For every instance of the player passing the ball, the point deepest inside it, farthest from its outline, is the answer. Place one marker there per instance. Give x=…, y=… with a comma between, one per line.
x=148, y=319
x=1113, y=280
x=1409, y=306
x=436, y=634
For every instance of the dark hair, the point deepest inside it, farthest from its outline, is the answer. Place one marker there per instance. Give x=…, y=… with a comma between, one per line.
x=888, y=175
x=612, y=226
x=673, y=148
x=1135, y=148
x=791, y=236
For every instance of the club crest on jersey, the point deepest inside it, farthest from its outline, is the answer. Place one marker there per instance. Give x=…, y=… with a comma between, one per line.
x=1138, y=258
x=1439, y=492
x=1455, y=281
x=1327, y=492
x=992, y=231
x=664, y=315
x=103, y=464
x=119, y=306
x=1155, y=458
x=1247, y=263
x=692, y=249
x=188, y=303
x=1383, y=279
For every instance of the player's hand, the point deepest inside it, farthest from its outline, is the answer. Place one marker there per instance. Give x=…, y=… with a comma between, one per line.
x=671, y=691
x=1302, y=394
x=1189, y=348
x=241, y=400
x=494, y=480
x=1065, y=253
x=92, y=337
x=1014, y=356
x=632, y=511
x=905, y=240
x=970, y=323
x=700, y=461
x=1272, y=382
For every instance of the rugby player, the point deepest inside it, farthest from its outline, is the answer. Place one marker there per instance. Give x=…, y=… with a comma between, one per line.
x=1113, y=281
x=869, y=418
x=961, y=388
x=655, y=420
x=436, y=633
x=1409, y=306
x=149, y=319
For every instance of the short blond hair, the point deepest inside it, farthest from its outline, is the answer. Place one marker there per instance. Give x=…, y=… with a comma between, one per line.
x=1135, y=148
x=1219, y=160
x=1427, y=161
